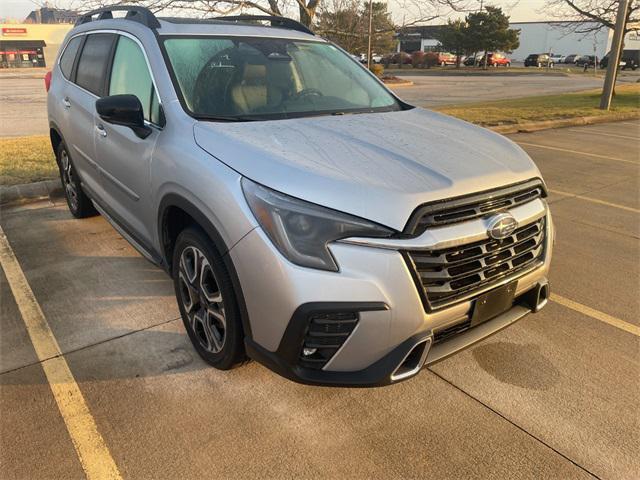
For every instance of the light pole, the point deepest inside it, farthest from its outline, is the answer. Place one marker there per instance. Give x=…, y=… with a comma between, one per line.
x=370, y=32
x=614, y=55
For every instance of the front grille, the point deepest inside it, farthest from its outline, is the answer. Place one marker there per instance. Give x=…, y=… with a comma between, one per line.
x=454, y=274
x=474, y=206
x=325, y=335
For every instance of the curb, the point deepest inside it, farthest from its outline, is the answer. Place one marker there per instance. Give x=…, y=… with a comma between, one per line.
x=564, y=122
x=399, y=84
x=29, y=192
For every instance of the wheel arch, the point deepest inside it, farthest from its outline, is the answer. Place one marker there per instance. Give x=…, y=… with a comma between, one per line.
x=176, y=213
x=55, y=137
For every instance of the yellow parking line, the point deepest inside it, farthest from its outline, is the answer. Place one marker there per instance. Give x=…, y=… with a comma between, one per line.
x=595, y=200
x=92, y=451
x=595, y=155
x=598, y=315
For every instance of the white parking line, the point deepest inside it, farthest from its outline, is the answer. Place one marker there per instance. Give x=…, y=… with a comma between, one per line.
x=92, y=451
x=595, y=200
x=591, y=131
x=598, y=315
x=595, y=155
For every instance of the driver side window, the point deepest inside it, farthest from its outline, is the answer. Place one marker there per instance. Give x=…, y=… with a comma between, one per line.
x=130, y=75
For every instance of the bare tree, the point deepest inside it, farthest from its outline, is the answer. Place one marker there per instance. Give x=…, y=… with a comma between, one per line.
x=206, y=8
x=418, y=11
x=586, y=16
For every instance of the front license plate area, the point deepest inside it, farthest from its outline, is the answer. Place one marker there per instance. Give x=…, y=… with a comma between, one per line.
x=493, y=303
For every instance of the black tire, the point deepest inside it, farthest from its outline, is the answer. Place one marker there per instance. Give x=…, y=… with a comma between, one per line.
x=79, y=204
x=221, y=345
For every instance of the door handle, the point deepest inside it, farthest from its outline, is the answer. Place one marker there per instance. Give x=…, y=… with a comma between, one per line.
x=66, y=103
x=101, y=131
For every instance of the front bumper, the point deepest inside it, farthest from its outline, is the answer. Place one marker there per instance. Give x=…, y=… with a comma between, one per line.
x=394, y=336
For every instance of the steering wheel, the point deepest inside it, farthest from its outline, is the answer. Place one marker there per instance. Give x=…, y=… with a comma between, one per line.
x=307, y=92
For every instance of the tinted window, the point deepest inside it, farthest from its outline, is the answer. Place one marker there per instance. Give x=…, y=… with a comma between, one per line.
x=69, y=55
x=92, y=66
x=130, y=74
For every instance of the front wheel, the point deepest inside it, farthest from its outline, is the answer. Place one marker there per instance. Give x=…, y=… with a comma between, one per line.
x=79, y=204
x=508, y=64
x=207, y=300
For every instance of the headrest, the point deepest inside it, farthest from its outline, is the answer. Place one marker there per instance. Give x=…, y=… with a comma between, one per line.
x=254, y=72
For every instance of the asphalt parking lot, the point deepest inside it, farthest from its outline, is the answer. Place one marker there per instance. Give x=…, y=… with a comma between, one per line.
x=554, y=396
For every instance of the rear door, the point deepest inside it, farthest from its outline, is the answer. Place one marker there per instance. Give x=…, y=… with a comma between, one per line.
x=125, y=158
x=80, y=101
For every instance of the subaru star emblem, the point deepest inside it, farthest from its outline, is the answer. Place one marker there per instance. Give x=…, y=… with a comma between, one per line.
x=501, y=226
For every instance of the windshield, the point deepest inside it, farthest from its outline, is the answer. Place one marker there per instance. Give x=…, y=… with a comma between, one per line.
x=238, y=78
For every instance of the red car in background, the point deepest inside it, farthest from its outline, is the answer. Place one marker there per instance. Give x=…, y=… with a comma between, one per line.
x=496, y=60
x=445, y=58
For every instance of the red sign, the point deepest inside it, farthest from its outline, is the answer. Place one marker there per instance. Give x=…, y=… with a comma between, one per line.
x=14, y=31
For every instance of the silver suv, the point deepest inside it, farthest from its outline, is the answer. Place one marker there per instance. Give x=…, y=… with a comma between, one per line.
x=310, y=219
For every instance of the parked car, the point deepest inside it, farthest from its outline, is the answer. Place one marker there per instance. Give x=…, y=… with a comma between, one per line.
x=298, y=204
x=557, y=58
x=445, y=58
x=472, y=60
x=587, y=61
x=495, y=60
x=630, y=59
x=396, y=58
x=569, y=59
x=538, y=60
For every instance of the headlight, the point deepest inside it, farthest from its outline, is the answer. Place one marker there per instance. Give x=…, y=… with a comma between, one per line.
x=301, y=230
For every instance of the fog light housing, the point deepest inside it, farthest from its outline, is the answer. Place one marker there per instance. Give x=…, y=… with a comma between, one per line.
x=326, y=333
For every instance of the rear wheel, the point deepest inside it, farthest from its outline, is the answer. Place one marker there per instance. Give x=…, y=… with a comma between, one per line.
x=508, y=64
x=207, y=300
x=79, y=204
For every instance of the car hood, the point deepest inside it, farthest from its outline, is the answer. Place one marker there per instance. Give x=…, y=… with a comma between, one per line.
x=378, y=166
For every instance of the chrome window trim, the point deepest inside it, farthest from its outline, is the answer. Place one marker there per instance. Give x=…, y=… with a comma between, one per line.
x=144, y=53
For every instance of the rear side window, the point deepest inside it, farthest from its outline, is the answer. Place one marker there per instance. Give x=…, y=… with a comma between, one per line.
x=130, y=75
x=92, y=66
x=69, y=56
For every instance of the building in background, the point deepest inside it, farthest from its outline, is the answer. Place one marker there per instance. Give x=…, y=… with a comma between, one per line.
x=535, y=37
x=36, y=41
x=52, y=15
x=560, y=38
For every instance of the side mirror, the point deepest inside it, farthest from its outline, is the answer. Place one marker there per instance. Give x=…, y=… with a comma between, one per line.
x=125, y=110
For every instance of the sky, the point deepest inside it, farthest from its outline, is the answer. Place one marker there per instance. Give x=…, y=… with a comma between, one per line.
x=520, y=11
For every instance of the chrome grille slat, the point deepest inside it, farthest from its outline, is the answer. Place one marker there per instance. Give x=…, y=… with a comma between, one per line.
x=481, y=271
x=453, y=274
x=420, y=259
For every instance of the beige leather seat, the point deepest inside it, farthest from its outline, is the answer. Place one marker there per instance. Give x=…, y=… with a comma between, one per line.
x=251, y=93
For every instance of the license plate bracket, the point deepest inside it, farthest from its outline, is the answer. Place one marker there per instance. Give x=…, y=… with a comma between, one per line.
x=493, y=303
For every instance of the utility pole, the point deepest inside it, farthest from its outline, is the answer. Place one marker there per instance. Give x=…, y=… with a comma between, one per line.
x=614, y=55
x=370, y=33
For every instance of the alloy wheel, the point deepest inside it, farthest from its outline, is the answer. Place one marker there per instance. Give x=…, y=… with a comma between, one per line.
x=68, y=180
x=202, y=299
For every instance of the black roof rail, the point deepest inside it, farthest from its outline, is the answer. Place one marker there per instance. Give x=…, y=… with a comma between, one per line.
x=275, y=21
x=137, y=14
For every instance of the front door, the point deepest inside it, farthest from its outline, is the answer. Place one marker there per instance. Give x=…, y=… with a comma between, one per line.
x=125, y=158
